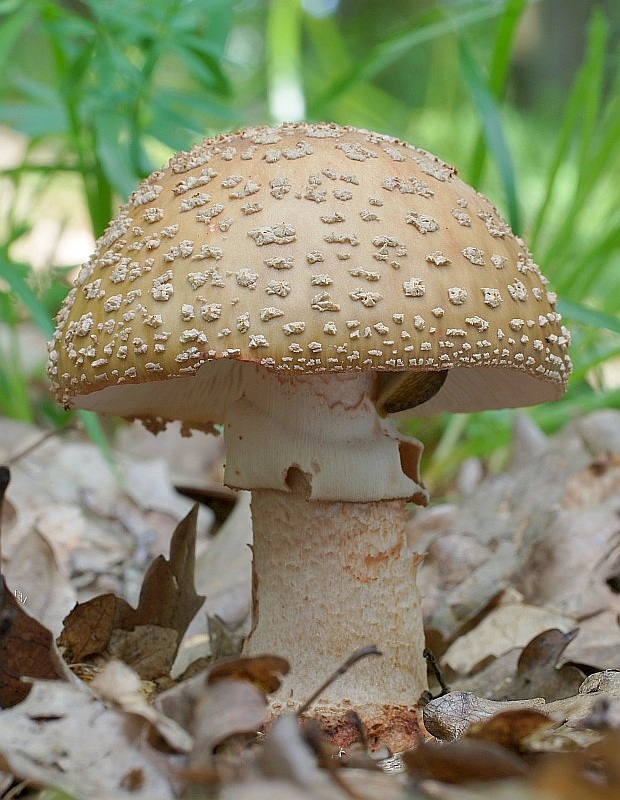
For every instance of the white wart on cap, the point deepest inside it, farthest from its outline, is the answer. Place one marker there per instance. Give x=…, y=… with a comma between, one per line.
x=306, y=249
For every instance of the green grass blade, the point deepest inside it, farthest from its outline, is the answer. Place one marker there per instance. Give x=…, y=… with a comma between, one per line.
x=591, y=273
x=283, y=44
x=114, y=152
x=430, y=26
x=586, y=82
x=366, y=104
x=14, y=384
x=94, y=429
x=590, y=110
x=595, y=169
x=493, y=129
x=13, y=275
x=12, y=27
x=498, y=74
x=591, y=317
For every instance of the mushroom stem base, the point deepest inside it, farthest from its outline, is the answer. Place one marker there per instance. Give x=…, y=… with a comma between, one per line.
x=330, y=577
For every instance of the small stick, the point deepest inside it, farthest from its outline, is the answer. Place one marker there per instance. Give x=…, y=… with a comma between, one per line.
x=41, y=440
x=434, y=665
x=362, y=652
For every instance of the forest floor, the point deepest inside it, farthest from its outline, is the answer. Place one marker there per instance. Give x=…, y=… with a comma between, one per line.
x=108, y=684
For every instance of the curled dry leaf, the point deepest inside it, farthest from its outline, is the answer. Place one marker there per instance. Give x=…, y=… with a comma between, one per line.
x=120, y=685
x=108, y=625
x=598, y=643
x=575, y=721
x=449, y=716
x=606, y=681
x=35, y=574
x=537, y=672
x=227, y=707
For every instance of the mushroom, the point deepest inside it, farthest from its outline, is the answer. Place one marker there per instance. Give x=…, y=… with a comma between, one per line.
x=297, y=285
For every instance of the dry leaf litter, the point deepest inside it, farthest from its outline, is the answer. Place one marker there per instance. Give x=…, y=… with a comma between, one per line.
x=118, y=679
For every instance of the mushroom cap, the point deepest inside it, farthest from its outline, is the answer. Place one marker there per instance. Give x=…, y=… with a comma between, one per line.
x=305, y=249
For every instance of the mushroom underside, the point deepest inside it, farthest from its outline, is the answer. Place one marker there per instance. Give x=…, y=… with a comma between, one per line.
x=203, y=397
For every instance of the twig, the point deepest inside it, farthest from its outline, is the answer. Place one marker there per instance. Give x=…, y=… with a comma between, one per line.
x=369, y=650
x=41, y=440
x=431, y=659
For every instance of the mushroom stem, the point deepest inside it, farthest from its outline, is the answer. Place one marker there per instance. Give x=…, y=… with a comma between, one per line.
x=330, y=482
x=330, y=577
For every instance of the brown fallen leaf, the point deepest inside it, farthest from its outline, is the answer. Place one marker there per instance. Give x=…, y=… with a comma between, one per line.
x=26, y=647
x=537, y=673
x=464, y=761
x=265, y=672
x=260, y=673
x=88, y=627
x=149, y=649
x=168, y=598
x=510, y=729
x=27, y=650
x=533, y=671
x=146, y=637
x=583, y=775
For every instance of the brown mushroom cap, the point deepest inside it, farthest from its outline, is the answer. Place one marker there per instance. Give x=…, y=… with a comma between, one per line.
x=306, y=248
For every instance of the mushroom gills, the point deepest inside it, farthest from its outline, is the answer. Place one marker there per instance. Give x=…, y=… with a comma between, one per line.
x=399, y=391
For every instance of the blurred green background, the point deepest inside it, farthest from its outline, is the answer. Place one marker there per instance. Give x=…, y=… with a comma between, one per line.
x=522, y=96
